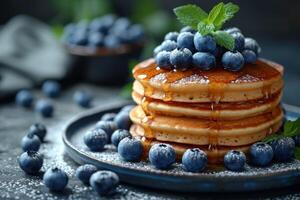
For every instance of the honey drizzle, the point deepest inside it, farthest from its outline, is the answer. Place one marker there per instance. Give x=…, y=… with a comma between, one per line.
x=216, y=78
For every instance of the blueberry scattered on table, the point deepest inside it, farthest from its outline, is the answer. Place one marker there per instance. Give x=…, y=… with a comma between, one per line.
x=162, y=156
x=84, y=172
x=44, y=108
x=234, y=160
x=194, y=160
x=95, y=139
x=130, y=149
x=24, y=98
x=261, y=154
x=31, y=162
x=83, y=98
x=55, y=179
x=39, y=130
x=118, y=135
x=284, y=149
x=104, y=182
x=30, y=142
x=122, y=120
x=108, y=117
x=51, y=89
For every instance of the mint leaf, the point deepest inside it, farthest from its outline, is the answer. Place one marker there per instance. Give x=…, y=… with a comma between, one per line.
x=204, y=28
x=297, y=153
x=215, y=13
x=224, y=39
x=222, y=13
x=291, y=128
x=190, y=15
x=272, y=138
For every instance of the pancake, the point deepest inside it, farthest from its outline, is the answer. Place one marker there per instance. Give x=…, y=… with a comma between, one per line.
x=222, y=111
x=215, y=154
x=254, y=81
x=207, y=132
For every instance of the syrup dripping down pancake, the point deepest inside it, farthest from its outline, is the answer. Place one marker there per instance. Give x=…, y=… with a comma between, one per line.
x=254, y=81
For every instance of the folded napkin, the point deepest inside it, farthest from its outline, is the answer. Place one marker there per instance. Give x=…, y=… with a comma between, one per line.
x=29, y=54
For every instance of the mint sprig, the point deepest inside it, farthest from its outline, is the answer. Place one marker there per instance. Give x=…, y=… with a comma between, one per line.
x=211, y=23
x=290, y=129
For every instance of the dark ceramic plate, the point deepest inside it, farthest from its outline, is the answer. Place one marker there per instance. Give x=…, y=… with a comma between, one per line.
x=277, y=175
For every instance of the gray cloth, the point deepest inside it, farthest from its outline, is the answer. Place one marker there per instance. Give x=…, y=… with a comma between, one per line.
x=29, y=54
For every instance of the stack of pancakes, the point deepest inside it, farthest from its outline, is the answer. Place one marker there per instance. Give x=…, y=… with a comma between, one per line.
x=214, y=110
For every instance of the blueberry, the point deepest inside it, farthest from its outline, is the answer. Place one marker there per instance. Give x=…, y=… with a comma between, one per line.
x=204, y=43
x=30, y=142
x=118, y=135
x=186, y=40
x=122, y=120
x=84, y=172
x=168, y=45
x=39, y=130
x=233, y=30
x=83, y=98
x=24, y=98
x=297, y=140
x=127, y=108
x=102, y=24
x=111, y=41
x=95, y=139
x=234, y=160
x=249, y=56
x=162, y=156
x=108, y=117
x=130, y=149
x=172, y=36
x=251, y=44
x=96, y=39
x=219, y=51
x=187, y=29
x=51, y=89
x=239, y=41
x=181, y=59
x=104, y=182
x=136, y=33
x=31, y=162
x=204, y=61
x=45, y=108
x=108, y=126
x=194, y=160
x=55, y=179
x=284, y=149
x=79, y=38
x=121, y=24
x=163, y=59
x=233, y=61
x=156, y=51
x=261, y=154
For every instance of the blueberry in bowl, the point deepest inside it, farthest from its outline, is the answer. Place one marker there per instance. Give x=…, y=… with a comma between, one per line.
x=103, y=47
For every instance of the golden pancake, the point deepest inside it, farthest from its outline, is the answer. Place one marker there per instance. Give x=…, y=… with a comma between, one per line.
x=206, y=132
x=222, y=111
x=215, y=154
x=254, y=81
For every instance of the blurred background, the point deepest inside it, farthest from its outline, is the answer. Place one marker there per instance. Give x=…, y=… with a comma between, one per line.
x=274, y=24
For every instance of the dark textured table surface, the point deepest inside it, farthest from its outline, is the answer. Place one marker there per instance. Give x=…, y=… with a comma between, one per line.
x=14, y=184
